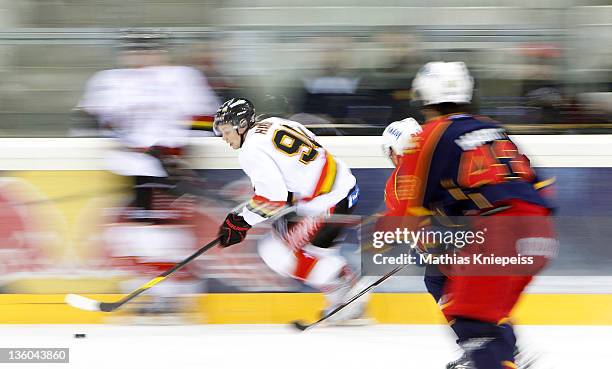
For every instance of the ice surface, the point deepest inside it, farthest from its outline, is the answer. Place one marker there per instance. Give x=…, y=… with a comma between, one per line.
x=283, y=347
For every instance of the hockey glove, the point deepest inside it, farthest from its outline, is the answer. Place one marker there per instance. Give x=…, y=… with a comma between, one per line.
x=233, y=230
x=169, y=160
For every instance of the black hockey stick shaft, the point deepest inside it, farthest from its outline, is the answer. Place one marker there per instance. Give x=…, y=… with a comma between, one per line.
x=110, y=306
x=85, y=303
x=301, y=326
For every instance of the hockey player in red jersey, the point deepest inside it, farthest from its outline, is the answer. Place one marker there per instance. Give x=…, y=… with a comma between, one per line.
x=287, y=167
x=397, y=139
x=464, y=165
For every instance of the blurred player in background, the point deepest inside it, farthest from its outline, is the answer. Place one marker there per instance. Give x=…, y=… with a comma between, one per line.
x=287, y=167
x=148, y=105
x=396, y=139
x=460, y=165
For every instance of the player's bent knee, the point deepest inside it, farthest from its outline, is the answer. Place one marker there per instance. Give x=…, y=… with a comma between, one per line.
x=314, y=266
x=277, y=255
x=327, y=269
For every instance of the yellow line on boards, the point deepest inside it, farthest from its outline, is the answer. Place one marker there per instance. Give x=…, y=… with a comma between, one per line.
x=279, y=308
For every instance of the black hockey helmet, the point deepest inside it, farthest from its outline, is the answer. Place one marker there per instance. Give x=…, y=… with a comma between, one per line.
x=239, y=113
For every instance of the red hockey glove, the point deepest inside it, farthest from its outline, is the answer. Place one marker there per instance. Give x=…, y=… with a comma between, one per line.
x=233, y=230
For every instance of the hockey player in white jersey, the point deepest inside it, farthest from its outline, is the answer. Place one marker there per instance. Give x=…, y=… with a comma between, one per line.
x=148, y=105
x=287, y=167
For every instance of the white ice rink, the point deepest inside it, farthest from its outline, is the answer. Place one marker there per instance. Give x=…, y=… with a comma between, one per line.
x=282, y=347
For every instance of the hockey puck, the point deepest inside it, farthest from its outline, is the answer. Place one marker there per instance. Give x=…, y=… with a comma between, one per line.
x=80, y=335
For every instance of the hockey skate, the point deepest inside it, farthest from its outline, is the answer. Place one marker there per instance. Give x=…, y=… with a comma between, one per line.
x=522, y=360
x=355, y=313
x=462, y=362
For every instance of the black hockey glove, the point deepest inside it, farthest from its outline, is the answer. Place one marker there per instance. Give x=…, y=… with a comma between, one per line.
x=233, y=230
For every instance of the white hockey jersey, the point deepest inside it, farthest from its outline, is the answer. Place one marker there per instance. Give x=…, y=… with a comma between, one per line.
x=149, y=106
x=285, y=163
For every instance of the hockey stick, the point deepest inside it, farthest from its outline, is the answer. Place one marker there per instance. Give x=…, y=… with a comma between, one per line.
x=303, y=326
x=85, y=303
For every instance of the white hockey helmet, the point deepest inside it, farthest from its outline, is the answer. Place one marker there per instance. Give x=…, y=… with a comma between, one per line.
x=440, y=82
x=396, y=137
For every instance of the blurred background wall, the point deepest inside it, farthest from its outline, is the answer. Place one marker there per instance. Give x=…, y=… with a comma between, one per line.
x=539, y=65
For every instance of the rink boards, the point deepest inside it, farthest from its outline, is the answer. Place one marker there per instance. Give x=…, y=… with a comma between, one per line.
x=61, y=180
x=282, y=308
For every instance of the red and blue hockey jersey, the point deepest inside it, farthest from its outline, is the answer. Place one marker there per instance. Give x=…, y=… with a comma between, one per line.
x=461, y=164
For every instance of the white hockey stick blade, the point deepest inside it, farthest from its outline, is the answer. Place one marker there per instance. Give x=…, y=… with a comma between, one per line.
x=81, y=302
